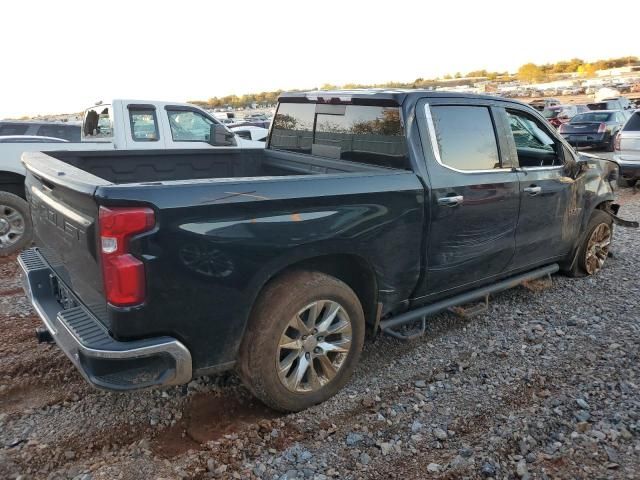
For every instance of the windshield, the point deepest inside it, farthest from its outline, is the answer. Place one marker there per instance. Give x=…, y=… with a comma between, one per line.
x=549, y=114
x=591, y=117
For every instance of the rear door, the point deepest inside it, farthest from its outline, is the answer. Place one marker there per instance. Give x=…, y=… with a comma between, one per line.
x=473, y=198
x=548, y=210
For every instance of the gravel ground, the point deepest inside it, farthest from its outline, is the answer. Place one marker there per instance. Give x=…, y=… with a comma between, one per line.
x=545, y=384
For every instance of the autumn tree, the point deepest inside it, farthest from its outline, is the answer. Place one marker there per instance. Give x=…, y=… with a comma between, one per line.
x=530, y=72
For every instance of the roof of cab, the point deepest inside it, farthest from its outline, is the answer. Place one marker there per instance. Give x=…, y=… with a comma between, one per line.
x=397, y=96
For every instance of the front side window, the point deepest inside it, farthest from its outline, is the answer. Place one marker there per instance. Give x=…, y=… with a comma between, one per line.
x=534, y=146
x=144, y=125
x=465, y=137
x=97, y=123
x=189, y=126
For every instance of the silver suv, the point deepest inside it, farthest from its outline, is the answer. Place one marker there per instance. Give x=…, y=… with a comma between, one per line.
x=627, y=147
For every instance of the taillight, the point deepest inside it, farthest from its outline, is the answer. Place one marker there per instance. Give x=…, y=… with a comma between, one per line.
x=602, y=128
x=562, y=128
x=616, y=142
x=122, y=273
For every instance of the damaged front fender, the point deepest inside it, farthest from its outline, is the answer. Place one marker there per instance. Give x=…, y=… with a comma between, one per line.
x=612, y=210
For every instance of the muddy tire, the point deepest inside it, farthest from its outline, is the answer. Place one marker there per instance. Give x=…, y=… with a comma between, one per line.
x=15, y=224
x=303, y=341
x=594, y=247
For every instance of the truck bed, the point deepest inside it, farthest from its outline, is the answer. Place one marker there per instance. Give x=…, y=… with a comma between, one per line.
x=132, y=166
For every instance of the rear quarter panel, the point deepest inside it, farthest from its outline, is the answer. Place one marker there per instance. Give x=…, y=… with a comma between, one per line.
x=218, y=243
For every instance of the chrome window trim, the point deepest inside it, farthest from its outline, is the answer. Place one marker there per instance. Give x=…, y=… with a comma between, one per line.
x=436, y=149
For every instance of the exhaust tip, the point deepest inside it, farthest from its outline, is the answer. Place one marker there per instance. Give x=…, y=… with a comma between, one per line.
x=43, y=335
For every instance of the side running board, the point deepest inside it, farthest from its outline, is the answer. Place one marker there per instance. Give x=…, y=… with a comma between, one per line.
x=389, y=325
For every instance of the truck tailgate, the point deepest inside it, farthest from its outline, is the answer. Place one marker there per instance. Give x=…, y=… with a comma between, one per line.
x=64, y=216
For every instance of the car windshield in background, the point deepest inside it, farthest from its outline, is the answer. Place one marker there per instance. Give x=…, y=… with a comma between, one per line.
x=592, y=117
x=551, y=113
x=13, y=129
x=366, y=134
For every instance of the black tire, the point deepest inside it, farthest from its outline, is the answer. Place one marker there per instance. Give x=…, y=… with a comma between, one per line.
x=261, y=354
x=16, y=229
x=626, y=182
x=611, y=145
x=581, y=267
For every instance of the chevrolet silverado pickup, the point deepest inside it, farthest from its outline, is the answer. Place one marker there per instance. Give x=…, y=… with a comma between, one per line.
x=367, y=211
x=119, y=125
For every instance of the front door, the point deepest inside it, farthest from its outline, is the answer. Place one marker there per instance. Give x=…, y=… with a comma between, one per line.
x=473, y=196
x=548, y=209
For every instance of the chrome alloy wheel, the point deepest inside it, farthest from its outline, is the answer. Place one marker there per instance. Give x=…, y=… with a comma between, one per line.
x=11, y=226
x=313, y=346
x=597, y=248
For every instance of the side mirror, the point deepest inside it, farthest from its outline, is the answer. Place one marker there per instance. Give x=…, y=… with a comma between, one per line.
x=219, y=136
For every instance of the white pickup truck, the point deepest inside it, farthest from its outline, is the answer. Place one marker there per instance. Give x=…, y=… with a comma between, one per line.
x=120, y=125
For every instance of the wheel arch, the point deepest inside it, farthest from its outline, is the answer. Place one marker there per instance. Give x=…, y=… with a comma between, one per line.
x=349, y=268
x=13, y=183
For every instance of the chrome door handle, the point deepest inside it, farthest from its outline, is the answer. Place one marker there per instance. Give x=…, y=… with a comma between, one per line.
x=533, y=190
x=451, y=201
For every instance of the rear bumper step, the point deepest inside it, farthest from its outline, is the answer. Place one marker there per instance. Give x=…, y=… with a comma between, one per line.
x=104, y=362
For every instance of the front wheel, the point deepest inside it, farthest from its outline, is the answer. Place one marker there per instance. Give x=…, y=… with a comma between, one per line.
x=596, y=243
x=15, y=223
x=303, y=341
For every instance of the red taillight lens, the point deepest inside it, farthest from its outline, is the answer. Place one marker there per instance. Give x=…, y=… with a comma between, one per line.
x=616, y=142
x=123, y=274
x=602, y=128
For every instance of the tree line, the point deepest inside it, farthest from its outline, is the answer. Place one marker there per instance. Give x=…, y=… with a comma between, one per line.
x=529, y=72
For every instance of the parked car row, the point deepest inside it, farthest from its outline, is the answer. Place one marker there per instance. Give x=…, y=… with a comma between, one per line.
x=627, y=146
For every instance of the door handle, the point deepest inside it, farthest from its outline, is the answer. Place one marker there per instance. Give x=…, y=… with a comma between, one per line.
x=451, y=201
x=533, y=190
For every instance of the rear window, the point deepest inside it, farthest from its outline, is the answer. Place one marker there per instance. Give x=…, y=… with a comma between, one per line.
x=591, y=117
x=144, y=125
x=13, y=129
x=633, y=124
x=360, y=133
x=66, y=132
x=97, y=123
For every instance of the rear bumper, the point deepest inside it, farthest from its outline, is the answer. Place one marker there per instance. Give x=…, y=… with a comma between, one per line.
x=588, y=140
x=103, y=361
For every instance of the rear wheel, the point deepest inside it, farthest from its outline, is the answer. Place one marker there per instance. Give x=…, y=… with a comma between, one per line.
x=303, y=341
x=15, y=223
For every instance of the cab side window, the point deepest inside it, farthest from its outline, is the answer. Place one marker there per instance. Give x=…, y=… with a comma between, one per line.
x=464, y=137
x=144, y=124
x=534, y=145
x=189, y=126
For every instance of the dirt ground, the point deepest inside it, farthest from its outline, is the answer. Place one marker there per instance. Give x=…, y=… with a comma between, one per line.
x=545, y=384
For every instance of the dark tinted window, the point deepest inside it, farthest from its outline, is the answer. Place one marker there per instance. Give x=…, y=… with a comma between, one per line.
x=359, y=133
x=144, y=126
x=592, y=117
x=13, y=128
x=364, y=134
x=466, y=138
x=66, y=132
x=293, y=127
x=633, y=125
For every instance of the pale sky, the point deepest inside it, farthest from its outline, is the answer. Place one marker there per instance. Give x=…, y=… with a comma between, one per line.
x=64, y=56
